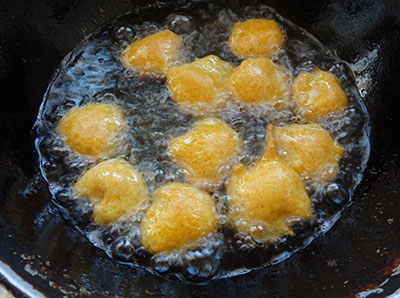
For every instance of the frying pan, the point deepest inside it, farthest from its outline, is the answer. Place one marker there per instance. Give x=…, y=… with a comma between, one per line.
x=43, y=255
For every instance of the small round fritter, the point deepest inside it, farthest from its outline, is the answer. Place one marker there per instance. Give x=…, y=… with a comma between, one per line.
x=259, y=80
x=256, y=38
x=269, y=197
x=180, y=215
x=309, y=150
x=206, y=152
x=114, y=187
x=153, y=55
x=92, y=129
x=200, y=87
x=318, y=93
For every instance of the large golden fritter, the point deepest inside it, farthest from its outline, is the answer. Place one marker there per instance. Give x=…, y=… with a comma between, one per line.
x=206, y=152
x=92, y=129
x=259, y=80
x=153, y=55
x=114, y=187
x=200, y=87
x=180, y=215
x=256, y=38
x=309, y=150
x=318, y=93
x=269, y=197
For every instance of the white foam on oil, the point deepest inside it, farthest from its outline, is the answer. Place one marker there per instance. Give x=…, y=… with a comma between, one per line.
x=93, y=72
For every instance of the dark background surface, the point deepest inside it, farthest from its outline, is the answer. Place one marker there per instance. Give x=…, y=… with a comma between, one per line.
x=359, y=253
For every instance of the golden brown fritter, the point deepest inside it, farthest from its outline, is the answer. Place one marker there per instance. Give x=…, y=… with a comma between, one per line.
x=153, y=55
x=259, y=80
x=269, y=197
x=114, y=187
x=256, y=38
x=180, y=215
x=93, y=129
x=309, y=150
x=200, y=87
x=206, y=152
x=317, y=94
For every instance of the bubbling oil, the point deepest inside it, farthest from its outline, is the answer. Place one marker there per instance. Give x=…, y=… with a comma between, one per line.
x=93, y=72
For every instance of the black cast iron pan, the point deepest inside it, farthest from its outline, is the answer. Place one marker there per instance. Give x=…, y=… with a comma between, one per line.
x=41, y=255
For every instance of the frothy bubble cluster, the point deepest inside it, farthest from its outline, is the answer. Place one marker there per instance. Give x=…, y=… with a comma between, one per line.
x=93, y=72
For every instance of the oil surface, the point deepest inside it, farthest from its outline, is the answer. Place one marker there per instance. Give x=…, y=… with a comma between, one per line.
x=93, y=72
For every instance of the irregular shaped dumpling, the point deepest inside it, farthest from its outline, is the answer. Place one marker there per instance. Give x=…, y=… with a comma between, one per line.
x=309, y=150
x=206, y=152
x=92, y=129
x=153, y=55
x=256, y=38
x=259, y=80
x=318, y=93
x=114, y=187
x=269, y=197
x=180, y=215
x=200, y=87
